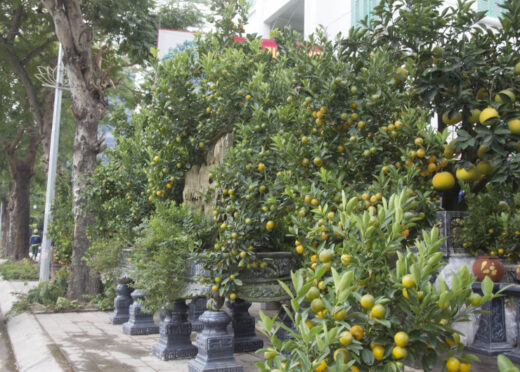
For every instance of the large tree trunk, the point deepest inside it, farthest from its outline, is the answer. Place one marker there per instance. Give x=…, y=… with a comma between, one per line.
x=5, y=227
x=22, y=212
x=11, y=231
x=83, y=280
x=88, y=107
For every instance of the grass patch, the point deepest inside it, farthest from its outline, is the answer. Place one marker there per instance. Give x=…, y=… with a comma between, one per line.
x=20, y=270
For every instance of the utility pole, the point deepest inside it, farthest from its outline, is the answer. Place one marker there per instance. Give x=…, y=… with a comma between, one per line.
x=46, y=255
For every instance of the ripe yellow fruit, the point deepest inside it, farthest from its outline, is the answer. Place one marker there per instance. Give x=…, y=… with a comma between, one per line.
x=453, y=365
x=299, y=249
x=408, y=281
x=378, y=352
x=467, y=175
x=321, y=367
x=345, y=338
x=505, y=92
x=421, y=153
x=488, y=116
x=214, y=288
x=443, y=181
x=269, y=225
x=232, y=296
x=260, y=167
x=399, y=352
x=378, y=311
x=451, y=120
x=156, y=158
x=401, y=339
x=453, y=340
x=465, y=367
x=514, y=126
x=367, y=301
x=357, y=332
x=405, y=294
x=345, y=259
x=340, y=315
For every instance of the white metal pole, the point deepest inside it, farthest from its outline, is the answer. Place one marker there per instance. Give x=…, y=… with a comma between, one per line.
x=51, y=175
x=1, y=227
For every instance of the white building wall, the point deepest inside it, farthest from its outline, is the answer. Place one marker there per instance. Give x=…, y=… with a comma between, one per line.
x=334, y=15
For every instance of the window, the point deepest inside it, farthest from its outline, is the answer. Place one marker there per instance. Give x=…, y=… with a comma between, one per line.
x=361, y=9
x=491, y=6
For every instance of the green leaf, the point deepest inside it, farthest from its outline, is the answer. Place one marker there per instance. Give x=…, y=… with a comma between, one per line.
x=487, y=286
x=367, y=357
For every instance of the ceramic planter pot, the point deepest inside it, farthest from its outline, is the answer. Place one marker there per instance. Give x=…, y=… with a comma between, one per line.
x=489, y=266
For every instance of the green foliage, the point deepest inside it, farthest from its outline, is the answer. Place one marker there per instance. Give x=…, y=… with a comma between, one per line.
x=173, y=235
x=370, y=260
x=61, y=230
x=459, y=66
x=493, y=225
x=49, y=294
x=20, y=270
x=505, y=365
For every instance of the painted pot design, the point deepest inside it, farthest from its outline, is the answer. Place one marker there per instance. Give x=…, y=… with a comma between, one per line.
x=489, y=266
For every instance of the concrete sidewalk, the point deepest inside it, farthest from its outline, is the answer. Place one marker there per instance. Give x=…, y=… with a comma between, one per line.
x=83, y=341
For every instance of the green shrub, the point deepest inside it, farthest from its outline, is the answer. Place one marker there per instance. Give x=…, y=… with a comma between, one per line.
x=20, y=270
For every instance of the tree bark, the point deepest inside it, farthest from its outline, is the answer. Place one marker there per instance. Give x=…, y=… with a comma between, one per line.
x=22, y=212
x=5, y=227
x=11, y=232
x=83, y=280
x=88, y=107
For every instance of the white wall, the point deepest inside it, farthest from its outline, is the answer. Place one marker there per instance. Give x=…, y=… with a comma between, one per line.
x=333, y=14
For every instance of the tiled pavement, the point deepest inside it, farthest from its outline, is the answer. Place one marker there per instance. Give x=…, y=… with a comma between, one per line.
x=90, y=343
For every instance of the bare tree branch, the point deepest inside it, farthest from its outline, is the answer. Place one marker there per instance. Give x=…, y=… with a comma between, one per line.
x=33, y=53
x=30, y=90
x=9, y=147
x=15, y=24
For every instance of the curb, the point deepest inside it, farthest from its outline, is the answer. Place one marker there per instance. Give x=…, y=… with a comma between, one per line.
x=34, y=351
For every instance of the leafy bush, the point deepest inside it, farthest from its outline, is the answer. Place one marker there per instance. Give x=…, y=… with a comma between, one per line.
x=61, y=230
x=20, y=270
x=367, y=303
x=173, y=235
x=493, y=225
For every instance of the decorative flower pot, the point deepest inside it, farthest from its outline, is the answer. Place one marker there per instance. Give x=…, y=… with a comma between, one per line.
x=259, y=285
x=488, y=266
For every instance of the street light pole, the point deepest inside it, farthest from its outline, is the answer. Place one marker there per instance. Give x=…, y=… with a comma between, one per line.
x=51, y=175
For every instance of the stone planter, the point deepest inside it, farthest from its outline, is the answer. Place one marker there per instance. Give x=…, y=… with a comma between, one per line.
x=259, y=285
x=449, y=223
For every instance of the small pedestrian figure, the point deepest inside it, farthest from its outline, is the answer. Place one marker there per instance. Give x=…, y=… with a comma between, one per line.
x=35, y=243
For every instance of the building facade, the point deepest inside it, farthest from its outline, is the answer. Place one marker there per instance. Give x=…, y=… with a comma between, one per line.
x=335, y=15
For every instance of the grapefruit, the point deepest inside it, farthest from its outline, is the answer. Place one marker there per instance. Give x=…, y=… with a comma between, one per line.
x=443, y=181
x=499, y=98
x=488, y=116
x=514, y=126
x=467, y=175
